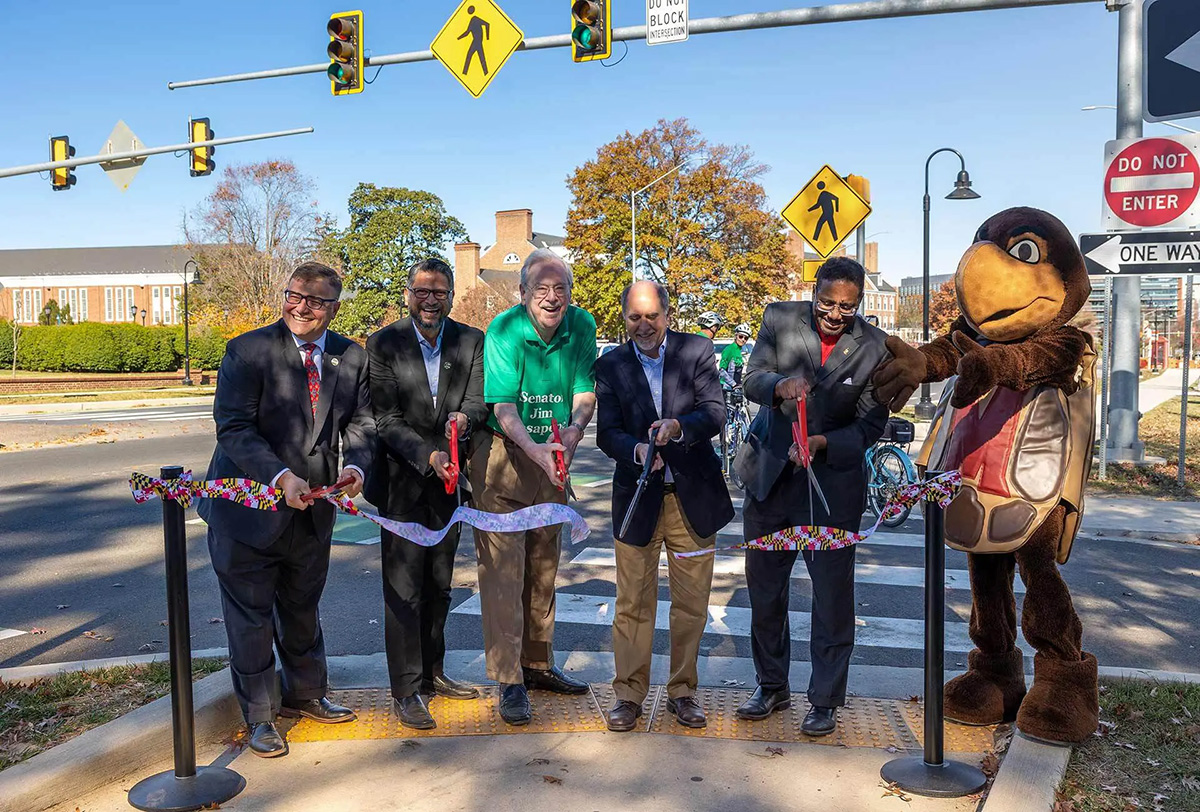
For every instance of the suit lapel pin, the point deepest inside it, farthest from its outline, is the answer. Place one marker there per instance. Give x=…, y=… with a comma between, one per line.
x=446, y=365
x=846, y=351
x=334, y=361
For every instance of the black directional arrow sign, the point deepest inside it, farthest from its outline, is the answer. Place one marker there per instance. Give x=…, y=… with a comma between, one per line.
x=1172, y=68
x=1142, y=252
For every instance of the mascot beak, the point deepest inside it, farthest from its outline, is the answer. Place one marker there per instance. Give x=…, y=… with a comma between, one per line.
x=1009, y=294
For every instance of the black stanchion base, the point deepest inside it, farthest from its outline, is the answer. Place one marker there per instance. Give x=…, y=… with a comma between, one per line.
x=950, y=779
x=165, y=792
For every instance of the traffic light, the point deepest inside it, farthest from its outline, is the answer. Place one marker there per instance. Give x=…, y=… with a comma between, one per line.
x=201, y=159
x=591, y=30
x=860, y=185
x=346, y=53
x=61, y=150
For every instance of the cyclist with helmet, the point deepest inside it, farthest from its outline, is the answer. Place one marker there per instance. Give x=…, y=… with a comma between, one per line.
x=710, y=321
x=731, y=363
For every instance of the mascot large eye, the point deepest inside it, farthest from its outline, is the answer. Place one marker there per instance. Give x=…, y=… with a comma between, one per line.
x=1026, y=251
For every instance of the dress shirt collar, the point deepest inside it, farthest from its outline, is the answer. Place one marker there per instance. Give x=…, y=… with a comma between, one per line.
x=320, y=342
x=646, y=360
x=437, y=344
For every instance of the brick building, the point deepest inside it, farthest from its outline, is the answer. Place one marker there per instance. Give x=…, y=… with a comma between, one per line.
x=140, y=283
x=499, y=264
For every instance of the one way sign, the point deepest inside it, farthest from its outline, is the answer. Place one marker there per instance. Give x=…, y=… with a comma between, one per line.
x=1172, y=54
x=1160, y=253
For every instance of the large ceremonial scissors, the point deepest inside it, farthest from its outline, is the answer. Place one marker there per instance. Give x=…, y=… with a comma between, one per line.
x=800, y=437
x=452, y=482
x=560, y=463
x=651, y=452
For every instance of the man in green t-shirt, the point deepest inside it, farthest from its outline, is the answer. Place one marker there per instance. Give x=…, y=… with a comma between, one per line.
x=537, y=365
x=731, y=363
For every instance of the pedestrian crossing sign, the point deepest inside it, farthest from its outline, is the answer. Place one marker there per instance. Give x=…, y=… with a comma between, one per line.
x=826, y=211
x=811, y=266
x=475, y=43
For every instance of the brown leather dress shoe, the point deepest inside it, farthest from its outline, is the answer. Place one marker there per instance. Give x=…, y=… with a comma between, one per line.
x=319, y=710
x=623, y=716
x=265, y=741
x=688, y=711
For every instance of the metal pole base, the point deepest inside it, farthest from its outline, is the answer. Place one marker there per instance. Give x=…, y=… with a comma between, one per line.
x=164, y=791
x=950, y=779
x=925, y=409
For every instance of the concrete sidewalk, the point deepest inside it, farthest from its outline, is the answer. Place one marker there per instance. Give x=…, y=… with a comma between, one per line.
x=100, y=405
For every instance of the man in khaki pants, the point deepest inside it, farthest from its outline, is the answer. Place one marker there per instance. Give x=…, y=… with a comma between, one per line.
x=538, y=365
x=660, y=393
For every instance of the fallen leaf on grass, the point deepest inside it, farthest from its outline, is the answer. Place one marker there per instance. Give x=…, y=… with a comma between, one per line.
x=37, y=630
x=552, y=779
x=1105, y=728
x=1126, y=745
x=1191, y=783
x=1111, y=789
x=1153, y=762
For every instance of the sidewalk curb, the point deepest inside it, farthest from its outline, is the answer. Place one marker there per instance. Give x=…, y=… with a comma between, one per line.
x=126, y=746
x=101, y=405
x=1028, y=777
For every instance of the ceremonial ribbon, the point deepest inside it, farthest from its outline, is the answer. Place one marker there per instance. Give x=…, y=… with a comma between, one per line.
x=941, y=489
x=183, y=490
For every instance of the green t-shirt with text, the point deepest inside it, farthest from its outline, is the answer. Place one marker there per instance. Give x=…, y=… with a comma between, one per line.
x=540, y=378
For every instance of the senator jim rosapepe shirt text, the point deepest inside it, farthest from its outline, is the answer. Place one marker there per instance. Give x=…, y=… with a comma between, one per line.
x=541, y=378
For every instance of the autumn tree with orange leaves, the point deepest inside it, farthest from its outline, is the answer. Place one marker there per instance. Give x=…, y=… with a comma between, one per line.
x=943, y=308
x=705, y=231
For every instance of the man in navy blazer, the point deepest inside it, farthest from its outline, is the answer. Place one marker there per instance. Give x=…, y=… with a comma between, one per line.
x=289, y=397
x=660, y=391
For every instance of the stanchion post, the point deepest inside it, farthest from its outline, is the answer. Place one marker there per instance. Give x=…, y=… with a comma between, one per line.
x=186, y=787
x=930, y=774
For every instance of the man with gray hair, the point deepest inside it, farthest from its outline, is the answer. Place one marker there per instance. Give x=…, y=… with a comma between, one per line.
x=537, y=361
x=659, y=395
x=426, y=374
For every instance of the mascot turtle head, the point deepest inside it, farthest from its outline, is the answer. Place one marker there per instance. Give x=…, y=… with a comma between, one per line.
x=1023, y=275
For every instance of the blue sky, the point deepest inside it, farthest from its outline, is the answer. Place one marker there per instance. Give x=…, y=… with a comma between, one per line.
x=873, y=98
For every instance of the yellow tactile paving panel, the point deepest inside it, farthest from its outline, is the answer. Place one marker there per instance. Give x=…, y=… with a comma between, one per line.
x=863, y=722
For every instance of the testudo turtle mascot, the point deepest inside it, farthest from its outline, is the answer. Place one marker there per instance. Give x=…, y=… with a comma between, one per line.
x=1016, y=419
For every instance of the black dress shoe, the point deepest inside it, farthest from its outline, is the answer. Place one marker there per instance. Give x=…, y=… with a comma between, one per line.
x=623, y=716
x=319, y=710
x=762, y=703
x=451, y=689
x=819, y=721
x=688, y=711
x=553, y=679
x=514, y=705
x=265, y=741
x=413, y=714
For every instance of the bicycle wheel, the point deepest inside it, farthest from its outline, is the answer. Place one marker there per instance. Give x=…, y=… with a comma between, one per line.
x=891, y=474
x=739, y=430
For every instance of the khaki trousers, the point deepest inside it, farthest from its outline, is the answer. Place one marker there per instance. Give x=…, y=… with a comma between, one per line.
x=690, y=580
x=516, y=570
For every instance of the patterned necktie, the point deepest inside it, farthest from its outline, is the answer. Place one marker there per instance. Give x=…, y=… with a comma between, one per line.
x=314, y=377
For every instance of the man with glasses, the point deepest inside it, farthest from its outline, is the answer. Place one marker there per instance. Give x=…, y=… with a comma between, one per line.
x=823, y=351
x=426, y=374
x=288, y=395
x=538, y=361
x=731, y=363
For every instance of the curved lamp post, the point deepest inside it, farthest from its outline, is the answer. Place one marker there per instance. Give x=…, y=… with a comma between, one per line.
x=962, y=191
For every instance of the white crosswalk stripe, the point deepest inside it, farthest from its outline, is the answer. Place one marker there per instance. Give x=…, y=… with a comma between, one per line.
x=109, y=417
x=881, y=632
x=7, y=633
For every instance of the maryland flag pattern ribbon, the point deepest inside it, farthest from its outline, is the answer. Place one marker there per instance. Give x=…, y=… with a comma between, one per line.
x=183, y=490
x=941, y=489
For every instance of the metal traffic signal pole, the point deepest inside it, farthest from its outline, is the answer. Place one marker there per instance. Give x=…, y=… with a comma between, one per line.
x=845, y=12
x=139, y=153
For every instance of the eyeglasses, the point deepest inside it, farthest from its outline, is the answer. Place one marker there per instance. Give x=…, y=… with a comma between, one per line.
x=829, y=307
x=315, y=303
x=436, y=293
x=542, y=291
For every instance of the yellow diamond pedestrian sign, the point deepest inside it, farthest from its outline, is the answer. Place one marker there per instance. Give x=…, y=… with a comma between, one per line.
x=826, y=211
x=475, y=43
x=811, y=266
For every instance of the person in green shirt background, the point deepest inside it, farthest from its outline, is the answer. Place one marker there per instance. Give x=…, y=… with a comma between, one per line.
x=537, y=365
x=731, y=363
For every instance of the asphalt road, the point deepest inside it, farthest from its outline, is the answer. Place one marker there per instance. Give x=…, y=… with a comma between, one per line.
x=80, y=556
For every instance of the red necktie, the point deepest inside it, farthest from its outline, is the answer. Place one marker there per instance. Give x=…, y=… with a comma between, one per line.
x=314, y=377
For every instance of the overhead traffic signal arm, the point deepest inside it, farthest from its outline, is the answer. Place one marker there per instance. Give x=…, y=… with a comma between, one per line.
x=61, y=150
x=346, y=53
x=201, y=157
x=591, y=30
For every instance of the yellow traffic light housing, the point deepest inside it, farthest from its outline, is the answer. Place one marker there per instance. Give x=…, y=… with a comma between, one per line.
x=201, y=157
x=860, y=185
x=346, y=54
x=591, y=30
x=61, y=150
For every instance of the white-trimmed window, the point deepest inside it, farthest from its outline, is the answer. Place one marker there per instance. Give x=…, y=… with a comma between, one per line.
x=119, y=311
x=82, y=314
x=156, y=313
x=16, y=305
x=176, y=305
x=511, y=258
x=129, y=303
x=108, y=304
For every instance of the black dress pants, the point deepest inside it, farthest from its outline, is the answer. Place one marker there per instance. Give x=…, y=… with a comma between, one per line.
x=416, y=597
x=270, y=595
x=768, y=580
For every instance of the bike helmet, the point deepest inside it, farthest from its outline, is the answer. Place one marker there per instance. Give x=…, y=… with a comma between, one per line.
x=743, y=329
x=710, y=320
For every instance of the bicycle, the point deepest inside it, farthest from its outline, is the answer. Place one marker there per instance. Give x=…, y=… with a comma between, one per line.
x=734, y=432
x=889, y=468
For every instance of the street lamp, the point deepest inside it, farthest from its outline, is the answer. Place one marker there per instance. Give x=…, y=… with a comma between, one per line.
x=962, y=191
x=46, y=313
x=187, y=349
x=143, y=317
x=133, y=313
x=633, y=212
x=1165, y=123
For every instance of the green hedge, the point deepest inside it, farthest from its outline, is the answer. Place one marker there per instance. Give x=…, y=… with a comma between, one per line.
x=94, y=347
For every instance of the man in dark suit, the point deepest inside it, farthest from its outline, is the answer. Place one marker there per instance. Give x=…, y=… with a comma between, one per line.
x=285, y=396
x=661, y=387
x=426, y=373
x=823, y=350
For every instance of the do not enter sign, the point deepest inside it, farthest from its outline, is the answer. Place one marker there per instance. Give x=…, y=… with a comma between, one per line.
x=1151, y=182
